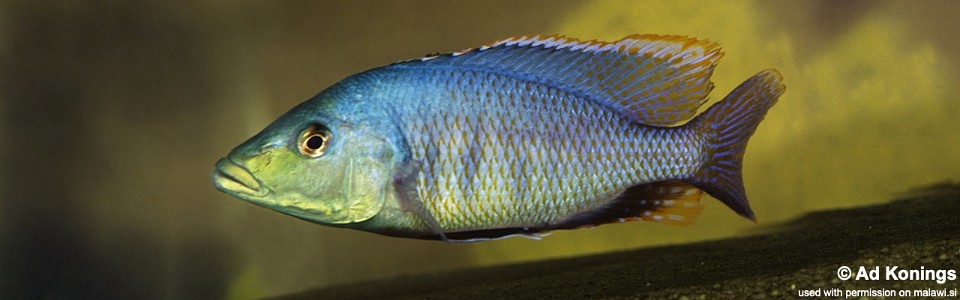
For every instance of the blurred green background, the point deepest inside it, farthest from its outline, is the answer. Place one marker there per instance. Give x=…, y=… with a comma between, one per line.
x=113, y=114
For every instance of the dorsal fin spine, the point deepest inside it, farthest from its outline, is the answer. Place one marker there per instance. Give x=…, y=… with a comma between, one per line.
x=650, y=79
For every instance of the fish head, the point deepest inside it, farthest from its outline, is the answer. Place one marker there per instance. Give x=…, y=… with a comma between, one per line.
x=313, y=164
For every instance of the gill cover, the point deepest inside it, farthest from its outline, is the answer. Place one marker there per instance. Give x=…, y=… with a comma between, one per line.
x=357, y=184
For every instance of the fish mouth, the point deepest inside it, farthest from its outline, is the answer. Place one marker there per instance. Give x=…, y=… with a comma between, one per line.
x=236, y=180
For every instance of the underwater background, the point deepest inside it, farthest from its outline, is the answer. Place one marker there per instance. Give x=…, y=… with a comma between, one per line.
x=114, y=113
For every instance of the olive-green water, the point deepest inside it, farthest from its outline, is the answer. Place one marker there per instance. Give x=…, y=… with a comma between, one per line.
x=114, y=114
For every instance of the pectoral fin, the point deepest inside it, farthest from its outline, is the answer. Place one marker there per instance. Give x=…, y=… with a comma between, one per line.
x=405, y=185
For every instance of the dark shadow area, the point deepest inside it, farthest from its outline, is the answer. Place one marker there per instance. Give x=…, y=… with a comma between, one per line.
x=820, y=239
x=112, y=115
x=61, y=59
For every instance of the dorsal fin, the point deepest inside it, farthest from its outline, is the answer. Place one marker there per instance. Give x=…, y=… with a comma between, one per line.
x=669, y=202
x=653, y=80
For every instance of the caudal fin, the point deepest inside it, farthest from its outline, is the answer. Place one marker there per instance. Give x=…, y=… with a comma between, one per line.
x=728, y=125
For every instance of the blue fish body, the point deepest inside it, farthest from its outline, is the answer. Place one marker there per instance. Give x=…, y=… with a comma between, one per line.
x=514, y=138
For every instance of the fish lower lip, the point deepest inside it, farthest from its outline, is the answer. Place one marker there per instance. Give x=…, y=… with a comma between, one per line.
x=232, y=178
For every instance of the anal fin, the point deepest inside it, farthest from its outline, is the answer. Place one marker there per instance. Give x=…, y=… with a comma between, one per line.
x=668, y=202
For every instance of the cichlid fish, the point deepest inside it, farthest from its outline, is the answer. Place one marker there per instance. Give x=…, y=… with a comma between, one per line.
x=518, y=137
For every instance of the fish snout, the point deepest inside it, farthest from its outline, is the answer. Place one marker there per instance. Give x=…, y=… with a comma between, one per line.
x=235, y=179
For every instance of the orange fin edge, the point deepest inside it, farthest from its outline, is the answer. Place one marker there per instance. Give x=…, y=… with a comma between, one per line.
x=667, y=202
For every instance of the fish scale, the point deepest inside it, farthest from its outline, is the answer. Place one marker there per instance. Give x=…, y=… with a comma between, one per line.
x=560, y=157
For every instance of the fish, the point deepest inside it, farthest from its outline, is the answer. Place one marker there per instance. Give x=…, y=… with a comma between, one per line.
x=519, y=137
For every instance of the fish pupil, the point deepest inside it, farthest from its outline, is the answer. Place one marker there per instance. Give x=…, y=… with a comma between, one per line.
x=315, y=142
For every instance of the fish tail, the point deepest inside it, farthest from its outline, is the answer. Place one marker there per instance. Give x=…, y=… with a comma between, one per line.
x=728, y=126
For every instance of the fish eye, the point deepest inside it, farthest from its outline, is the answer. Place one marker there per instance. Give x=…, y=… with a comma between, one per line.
x=314, y=140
